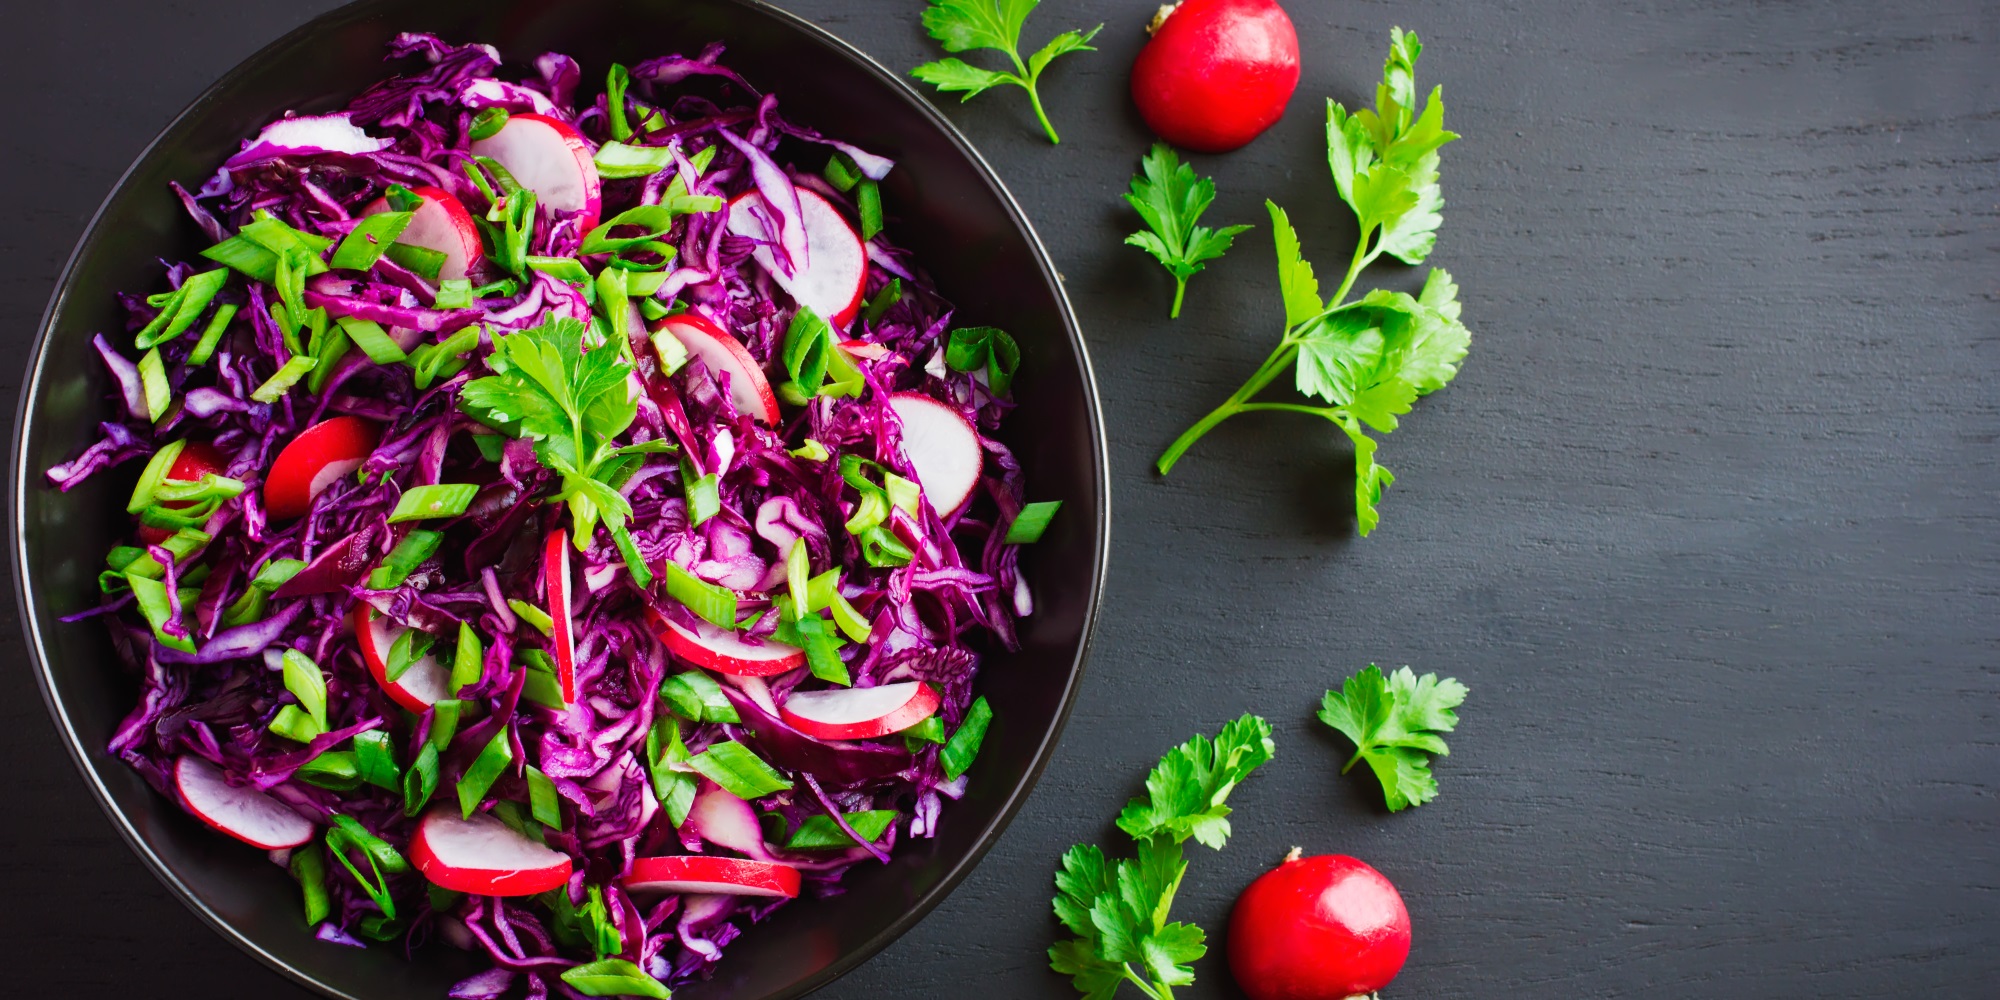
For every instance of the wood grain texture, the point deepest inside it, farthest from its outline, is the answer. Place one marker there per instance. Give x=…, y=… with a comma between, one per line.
x=1707, y=524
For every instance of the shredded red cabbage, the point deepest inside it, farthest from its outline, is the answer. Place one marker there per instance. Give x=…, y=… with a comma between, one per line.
x=243, y=585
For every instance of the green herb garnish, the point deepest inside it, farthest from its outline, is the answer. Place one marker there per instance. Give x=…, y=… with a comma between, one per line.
x=1170, y=198
x=963, y=25
x=1394, y=722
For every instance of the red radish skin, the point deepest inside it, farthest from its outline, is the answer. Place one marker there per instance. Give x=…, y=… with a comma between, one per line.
x=548, y=157
x=420, y=685
x=1217, y=72
x=247, y=814
x=484, y=857
x=859, y=713
x=441, y=223
x=555, y=590
x=725, y=652
x=196, y=460
x=705, y=875
x=315, y=460
x=719, y=817
x=720, y=352
x=831, y=281
x=1320, y=928
x=943, y=450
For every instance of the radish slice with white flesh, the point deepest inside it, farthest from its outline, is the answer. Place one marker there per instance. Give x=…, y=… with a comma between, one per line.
x=484, y=856
x=549, y=158
x=836, y=264
x=315, y=460
x=420, y=685
x=943, y=449
x=697, y=873
x=724, y=651
x=721, y=353
x=247, y=814
x=441, y=223
x=719, y=817
x=555, y=589
x=859, y=713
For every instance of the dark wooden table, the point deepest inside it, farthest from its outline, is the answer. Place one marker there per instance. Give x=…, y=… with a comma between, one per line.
x=1707, y=524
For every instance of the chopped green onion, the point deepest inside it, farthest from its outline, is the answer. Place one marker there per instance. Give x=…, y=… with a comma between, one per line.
x=696, y=697
x=275, y=387
x=987, y=348
x=383, y=860
x=293, y=724
x=329, y=347
x=468, y=662
x=309, y=867
x=453, y=293
x=445, y=713
x=811, y=451
x=963, y=747
x=442, y=360
x=653, y=309
x=541, y=686
x=181, y=307
x=420, y=780
x=614, y=977
x=868, y=204
x=710, y=602
x=334, y=769
x=373, y=341
x=673, y=353
x=814, y=634
x=276, y=573
x=1031, y=522
x=561, y=268
x=931, y=730
x=402, y=199
x=704, y=498
x=155, y=473
x=616, y=160
x=643, y=283
x=442, y=900
x=402, y=560
x=841, y=172
x=409, y=647
x=536, y=618
x=902, y=493
x=849, y=620
x=217, y=325
x=739, y=771
x=542, y=800
x=369, y=238
x=209, y=487
x=674, y=788
x=422, y=261
x=375, y=759
x=242, y=255
x=798, y=569
x=615, y=83
x=246, y=609
x=151, y=596
x=441, y=500
x=153, y=379
x=307, y=683
x=487, y=124
x=881, y=548
x=890, y=294
x=483, y=771
x=819, y=833
x=492, y=447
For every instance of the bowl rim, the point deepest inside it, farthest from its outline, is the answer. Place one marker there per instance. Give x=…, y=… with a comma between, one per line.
x=24, y=478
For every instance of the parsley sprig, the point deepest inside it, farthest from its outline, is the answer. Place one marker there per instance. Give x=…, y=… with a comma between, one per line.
x=573, y=404
x=1372, y=357
x=1394, y=721
x=1118, y=909
x=963, y=25
x=1170, y=198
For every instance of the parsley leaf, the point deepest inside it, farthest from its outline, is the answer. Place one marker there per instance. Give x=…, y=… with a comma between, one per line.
x=1118, y=909
x=1170, y=198
x=572, y=403
x=1394, y=722
x=964, y=25
x=1370, y=359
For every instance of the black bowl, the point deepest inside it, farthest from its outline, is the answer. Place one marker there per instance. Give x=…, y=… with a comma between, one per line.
x=946, y=205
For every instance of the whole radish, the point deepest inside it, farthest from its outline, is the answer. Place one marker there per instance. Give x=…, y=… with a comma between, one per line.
x=1217, y=72
x=1320, y=928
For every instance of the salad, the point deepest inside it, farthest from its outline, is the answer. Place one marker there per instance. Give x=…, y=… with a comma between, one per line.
x=566, y=524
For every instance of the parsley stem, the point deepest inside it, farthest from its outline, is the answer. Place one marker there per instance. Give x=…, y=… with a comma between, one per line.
x=1027, y=81
x=1160, y=994
x=1180, y=290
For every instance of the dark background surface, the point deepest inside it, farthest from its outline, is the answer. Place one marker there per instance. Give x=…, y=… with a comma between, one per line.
x=1707, y=523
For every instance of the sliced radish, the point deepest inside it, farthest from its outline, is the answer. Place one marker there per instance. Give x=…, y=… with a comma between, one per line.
x=859, y=713
x=441, y=223
x=315, y=460
x=549, y=158
x=555, y=589
x=943, y=449
x=247, y=814
x=721, y=353
x=721, y=818
x=836, y=263
x=484, y=856
x=724, y=651
x=865, y=350
x=420, y=685
x=696, y=873
x=196, y=460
